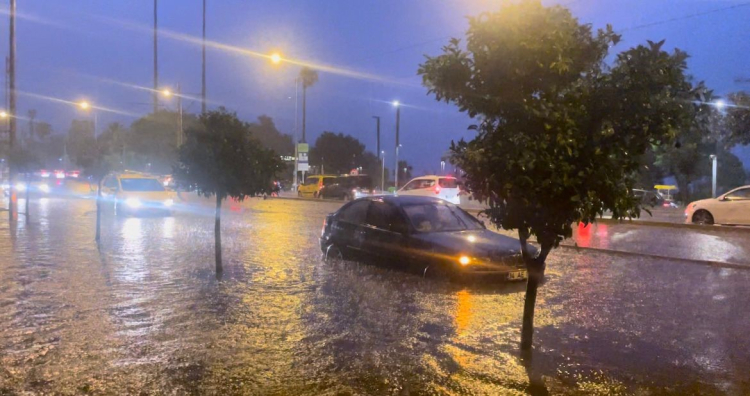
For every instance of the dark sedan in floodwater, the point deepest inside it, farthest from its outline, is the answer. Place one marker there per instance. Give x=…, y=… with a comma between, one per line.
x=429, y=233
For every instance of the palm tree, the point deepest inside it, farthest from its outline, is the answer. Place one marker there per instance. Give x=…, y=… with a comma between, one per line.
x=308, y=77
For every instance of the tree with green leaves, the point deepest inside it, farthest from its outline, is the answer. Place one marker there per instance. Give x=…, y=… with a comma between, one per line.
x=737, y=120
x=221, y=158
x=336, y=153
x=270, y=137
x=80, y=140
x=153, y=139
x=308, y=77
x=560, y=132
x=97, y=162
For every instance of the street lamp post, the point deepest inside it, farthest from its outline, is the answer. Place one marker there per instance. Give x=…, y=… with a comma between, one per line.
x=178, y=95
x=382, y=173
x=713, y=175
x=378, y=133
x=398, y=121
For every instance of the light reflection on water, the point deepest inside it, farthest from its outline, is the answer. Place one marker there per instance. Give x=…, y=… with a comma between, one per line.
x=146, y=314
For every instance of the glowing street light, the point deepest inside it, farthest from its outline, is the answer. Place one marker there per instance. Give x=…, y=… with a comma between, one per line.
x=167, y=93
x=396, y=103
x=275, y=58
x=720, y=104
x=84, y=105
x=3, y=114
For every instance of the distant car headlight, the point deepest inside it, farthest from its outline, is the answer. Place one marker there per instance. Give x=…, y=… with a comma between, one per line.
x=20, y=187
x=464, y=260
x=169, y=202
x=133, y=202
x=44, y=188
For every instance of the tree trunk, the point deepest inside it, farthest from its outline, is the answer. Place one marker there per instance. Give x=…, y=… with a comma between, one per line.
x=527, y=329
x=217, y=235
x=535, y=267
x=99, y=209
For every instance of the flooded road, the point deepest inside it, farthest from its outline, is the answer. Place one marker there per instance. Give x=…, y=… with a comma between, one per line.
x=145, y=315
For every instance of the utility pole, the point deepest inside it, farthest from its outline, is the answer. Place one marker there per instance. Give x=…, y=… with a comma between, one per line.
x=12, y=104
x=156, y=65
x=382, y=172
x=398, y=121
x=296, y=141
x=378, y=132
x=203, y=71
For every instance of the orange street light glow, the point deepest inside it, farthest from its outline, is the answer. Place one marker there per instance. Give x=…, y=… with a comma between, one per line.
x=275, y=58
x=84, y=105
x=464, y=260
x=166, y=93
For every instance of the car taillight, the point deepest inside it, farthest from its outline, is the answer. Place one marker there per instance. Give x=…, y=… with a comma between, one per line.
x=437, y=189
x=325, y=223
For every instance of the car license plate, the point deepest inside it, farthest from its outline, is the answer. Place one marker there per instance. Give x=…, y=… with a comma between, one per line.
x=517, y=275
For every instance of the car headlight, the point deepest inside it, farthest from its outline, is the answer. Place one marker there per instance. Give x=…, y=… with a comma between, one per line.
x=169, y=202
x=44, y=188
x=464, y=260
x=133, y=202
x=20, y=187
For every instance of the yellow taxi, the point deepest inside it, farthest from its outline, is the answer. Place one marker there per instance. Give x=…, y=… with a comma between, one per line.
x=137, y=193
x=312, y=185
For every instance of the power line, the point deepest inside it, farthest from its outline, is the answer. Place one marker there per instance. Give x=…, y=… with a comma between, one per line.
x=689, y=16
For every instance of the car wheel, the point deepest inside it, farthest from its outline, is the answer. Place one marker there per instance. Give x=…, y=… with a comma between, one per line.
x=334, y=254
x=703, y=217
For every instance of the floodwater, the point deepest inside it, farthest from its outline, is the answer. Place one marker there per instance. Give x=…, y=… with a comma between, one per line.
x=144, y=314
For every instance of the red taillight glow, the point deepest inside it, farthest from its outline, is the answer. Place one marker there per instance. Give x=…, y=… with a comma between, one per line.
x=323, y=231
x=437, y=189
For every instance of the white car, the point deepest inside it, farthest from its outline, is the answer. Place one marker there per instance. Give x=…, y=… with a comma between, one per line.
x=730, y=208
x=443, y=187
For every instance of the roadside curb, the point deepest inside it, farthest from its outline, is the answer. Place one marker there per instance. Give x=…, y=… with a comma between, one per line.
x=711, y=263
x=649, y=223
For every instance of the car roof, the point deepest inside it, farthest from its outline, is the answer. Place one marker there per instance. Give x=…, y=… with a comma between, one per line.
x=433, y=177
x=135, y=175
x=309, y=176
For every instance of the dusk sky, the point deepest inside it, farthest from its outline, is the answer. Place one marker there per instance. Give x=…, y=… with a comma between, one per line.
x=102, y=50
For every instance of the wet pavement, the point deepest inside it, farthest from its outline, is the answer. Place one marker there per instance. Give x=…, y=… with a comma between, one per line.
x=145, y=315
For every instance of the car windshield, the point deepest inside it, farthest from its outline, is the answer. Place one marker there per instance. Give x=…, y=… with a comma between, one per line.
x=439, y=217
x=141, y=185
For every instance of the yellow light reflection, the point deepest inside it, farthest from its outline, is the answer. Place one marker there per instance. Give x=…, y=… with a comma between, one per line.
x=464, y=311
